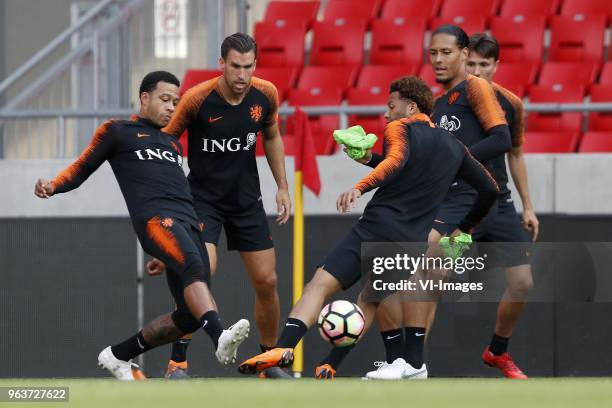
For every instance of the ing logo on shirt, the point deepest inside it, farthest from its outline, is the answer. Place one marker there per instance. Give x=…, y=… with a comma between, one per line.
x=451, y=125
x=256, y=111
x=167, y=222
x=452, y=98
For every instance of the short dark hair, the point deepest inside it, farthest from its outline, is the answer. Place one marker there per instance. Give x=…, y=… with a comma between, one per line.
x=149, y=82
x=463, y=40
x=485, y=45
x=415, y=89
x=240, y=42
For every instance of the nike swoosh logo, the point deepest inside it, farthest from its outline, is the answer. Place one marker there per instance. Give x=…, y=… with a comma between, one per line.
x=205, y=323
x=139, y=344
x=392, y=337
x=142, y=135
x=419, y=334
x=292, y=324
x=212, y=120
x=184, y=341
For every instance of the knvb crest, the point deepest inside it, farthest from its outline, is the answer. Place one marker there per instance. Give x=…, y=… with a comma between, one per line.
x=256, y=111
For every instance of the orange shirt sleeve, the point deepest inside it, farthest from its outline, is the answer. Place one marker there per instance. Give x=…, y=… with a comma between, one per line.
x=484, y=103
x=518, y=127
x=99, y=150
x=188, y=107
x=395, y=158
x=271, y=93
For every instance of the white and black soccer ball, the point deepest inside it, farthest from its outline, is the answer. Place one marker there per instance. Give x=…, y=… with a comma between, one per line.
x=341, y=323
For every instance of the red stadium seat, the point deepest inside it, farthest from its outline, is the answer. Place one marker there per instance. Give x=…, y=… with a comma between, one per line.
x=396, y=42
x=282, y=77
x=373, y=89
x=549, y=122
x=406, y=10
x=601, y=120
x=195, y=76
x=342, y=11
x=520, y=39
x=568, y=73
x=322, y=127
x=516, y=76
x=470, y=24
x=334, y=44
x=572, y=8
x=596, y=142
x=376, y=78
x=371, y=124
x=606, y=74
x=317, y=79
x=292, y=13
x=427, y=74
x=465, y=8
x=279, y=46
x=551, y=142
x=577, y=40
x=514, y=8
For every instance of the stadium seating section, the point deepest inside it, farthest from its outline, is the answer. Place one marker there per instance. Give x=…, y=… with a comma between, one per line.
x=345, y=51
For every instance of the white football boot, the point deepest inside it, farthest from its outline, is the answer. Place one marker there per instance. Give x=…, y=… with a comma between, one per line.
x=379, y=366
x=122, y=370
x=411, y=373
x=393, y=371
x=230, y=339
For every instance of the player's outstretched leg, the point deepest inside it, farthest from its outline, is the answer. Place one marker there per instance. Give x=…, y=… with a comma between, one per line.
x=520, y=281
x=302, y=316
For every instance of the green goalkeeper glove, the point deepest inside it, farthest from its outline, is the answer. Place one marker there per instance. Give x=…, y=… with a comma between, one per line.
x=356, y=141
x=454, y=247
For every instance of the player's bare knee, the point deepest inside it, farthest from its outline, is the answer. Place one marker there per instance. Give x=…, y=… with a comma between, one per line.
x=265, y=283
x=521, y=286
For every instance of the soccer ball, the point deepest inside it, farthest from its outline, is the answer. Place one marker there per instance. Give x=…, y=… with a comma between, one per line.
x=341, y=323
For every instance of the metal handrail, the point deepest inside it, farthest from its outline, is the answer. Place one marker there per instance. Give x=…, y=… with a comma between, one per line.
x=288, y=110
x=126, y=12
x=56, y=42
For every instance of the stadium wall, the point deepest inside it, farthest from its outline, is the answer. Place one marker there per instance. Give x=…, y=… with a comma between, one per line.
x=69, y=289
x=559, y=184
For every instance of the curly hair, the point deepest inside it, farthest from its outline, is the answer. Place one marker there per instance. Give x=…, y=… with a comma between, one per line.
x=415, y=89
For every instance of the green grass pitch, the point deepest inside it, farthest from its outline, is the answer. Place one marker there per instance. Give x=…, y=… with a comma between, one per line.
x=353, y=393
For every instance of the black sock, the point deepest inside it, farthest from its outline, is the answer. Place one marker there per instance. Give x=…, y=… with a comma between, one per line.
x=336, y=356
x=394, y=343
x=211, y=323
x=499, y=345
x=292, y=333
x=179, y=350
x=414, y=339
x=130, y=348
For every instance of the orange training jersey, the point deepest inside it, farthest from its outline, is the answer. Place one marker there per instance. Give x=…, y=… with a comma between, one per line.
x=222, y=137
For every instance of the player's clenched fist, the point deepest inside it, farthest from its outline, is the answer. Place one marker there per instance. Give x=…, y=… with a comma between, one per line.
x=44, y=188
x=155, y=267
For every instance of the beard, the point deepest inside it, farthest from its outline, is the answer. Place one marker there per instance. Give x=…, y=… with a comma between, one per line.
x=444, y=81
